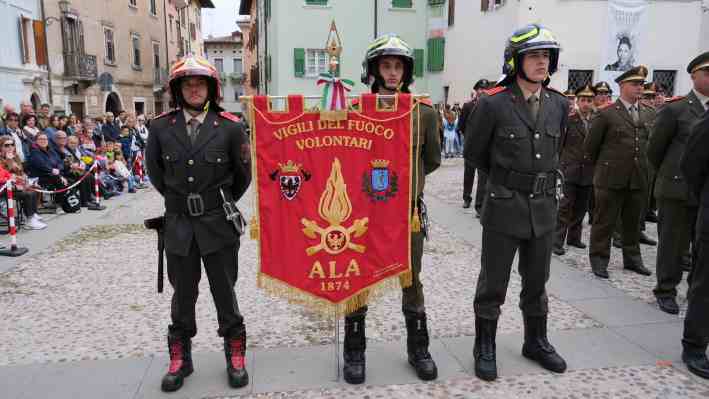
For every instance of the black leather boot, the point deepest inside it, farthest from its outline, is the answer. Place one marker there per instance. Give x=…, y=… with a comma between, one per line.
x=180, y=363
x=484, y=350
x=696, y=360
x=355, y=345
x=235, y=353
x=417, y=347
x=537, y=347
x=599, y=267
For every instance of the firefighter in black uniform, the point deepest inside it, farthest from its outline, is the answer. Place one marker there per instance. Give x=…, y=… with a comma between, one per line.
x=198, y=159
x=695, y=167
x=514, y=136
x=469, y=171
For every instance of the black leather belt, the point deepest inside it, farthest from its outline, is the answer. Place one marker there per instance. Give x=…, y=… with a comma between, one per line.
x=195, y=204
x=534, y=183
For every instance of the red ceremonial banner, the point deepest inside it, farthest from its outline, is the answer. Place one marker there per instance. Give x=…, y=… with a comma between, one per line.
x=333, y=200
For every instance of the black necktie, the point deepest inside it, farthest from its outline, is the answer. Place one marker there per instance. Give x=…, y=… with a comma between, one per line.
x=533, y=105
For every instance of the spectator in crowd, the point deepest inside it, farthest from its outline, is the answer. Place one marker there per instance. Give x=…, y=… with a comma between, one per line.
x=59, y=143
x=450, y=134
x=79, y=163
x=52, y=127
x=63, y=123
x=71, y=125
x=12, y=129
x=47, y=166
x=142, y=128
x=121, y=120
x=26, y=108
x=121, y=172
x=43, y=117
x=110, y=130
x=29, y=126
x=27, y=199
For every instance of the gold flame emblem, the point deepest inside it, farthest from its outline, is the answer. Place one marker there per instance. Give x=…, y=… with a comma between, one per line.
x=335, y=208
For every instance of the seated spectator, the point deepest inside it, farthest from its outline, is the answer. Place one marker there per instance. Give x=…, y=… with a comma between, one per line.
x=63, y=123
x=27, y=199
x=110, y=129
x=122, y=173
x=29, y=126
x=79, y=164
x=47, y=166
x=12, y=129
x=58, y=144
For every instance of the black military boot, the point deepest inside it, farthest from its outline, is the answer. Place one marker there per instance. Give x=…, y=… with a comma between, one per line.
x=635, y=264
x=599, y=267
x=355, y=345
x=645, y=239
x=484, y=350
x=537, y=347
x=417, y=347
x=180, y=363
x=235, y=353
x=696, y=360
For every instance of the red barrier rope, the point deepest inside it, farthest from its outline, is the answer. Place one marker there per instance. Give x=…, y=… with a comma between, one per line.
x=65, y=189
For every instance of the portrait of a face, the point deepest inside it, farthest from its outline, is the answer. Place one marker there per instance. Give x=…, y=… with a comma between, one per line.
x=624, y=52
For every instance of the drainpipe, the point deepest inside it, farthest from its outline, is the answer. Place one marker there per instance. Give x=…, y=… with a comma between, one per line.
x=376, y=18
x=167, y=45
x=49, y=62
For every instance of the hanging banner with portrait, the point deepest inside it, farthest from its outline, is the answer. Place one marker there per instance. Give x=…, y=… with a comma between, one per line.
x=623, y=40
x=333, y=210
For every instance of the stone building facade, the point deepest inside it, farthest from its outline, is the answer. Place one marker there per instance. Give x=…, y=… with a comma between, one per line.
x=226, y=54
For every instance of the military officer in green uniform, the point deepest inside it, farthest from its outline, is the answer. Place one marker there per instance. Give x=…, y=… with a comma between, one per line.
x=388, y=67
x=676, y=203
x=616, y=144
x=603, y=93
x=514, y=136
x=578, y=174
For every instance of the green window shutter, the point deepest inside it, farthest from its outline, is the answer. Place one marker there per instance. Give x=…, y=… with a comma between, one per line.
x=316, y=2
x=436, y=2
x=402, y=3
x=418, y=62
x=268, y=68
x=267, y=8
x=299, y=62
x=436, y=58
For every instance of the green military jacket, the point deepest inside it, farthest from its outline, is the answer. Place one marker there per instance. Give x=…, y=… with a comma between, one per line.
x=667, y=144
x=575, y=165
x=617, y=147
x=427, y=144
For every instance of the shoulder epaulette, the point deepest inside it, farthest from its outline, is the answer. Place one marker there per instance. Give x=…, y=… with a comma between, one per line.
x=165, y=114
x=495, y=90
x=674, y=99
x=229, y=116
x=604, y=106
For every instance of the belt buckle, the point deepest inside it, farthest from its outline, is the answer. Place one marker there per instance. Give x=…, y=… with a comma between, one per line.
x=539, y=183
x=195, y=204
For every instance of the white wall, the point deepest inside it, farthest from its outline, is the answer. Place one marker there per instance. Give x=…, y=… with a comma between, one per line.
x=294, y=25
x=16, y=77
x=675, y=32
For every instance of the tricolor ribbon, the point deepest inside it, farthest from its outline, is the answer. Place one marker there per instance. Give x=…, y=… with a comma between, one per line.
x=335, y=92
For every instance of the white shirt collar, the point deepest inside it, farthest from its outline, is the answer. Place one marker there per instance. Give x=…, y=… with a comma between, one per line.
x=199, y=117
x=526, y=94
x=702, y=99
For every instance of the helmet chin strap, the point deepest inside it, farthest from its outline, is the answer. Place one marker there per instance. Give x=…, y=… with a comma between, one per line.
x=199, y=109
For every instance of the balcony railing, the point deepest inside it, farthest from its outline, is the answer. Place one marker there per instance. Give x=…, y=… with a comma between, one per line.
x=80, y=66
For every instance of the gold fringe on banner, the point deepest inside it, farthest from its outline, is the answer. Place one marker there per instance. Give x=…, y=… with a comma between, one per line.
x=254, y=228
x=416, y=221
x=324, y=307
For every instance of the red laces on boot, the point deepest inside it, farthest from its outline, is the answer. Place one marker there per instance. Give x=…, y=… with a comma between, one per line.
x=175, y=358
x=237, y=357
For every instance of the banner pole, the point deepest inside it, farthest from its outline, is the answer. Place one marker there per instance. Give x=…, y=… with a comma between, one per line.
x=337, y=348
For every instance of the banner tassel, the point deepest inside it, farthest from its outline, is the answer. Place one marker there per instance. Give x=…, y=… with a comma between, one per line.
x=416, y=221
x=254, y=228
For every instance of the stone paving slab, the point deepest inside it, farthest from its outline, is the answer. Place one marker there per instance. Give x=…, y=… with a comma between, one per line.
x=622, y=311
x=297, y=369
x=663, y=340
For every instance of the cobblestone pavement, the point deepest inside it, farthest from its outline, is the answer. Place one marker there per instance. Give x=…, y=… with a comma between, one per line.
x=607, y=383
x=94, y=294
x=446, y=184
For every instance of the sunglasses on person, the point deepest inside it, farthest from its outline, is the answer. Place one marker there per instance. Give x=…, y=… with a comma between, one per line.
x=8, y=145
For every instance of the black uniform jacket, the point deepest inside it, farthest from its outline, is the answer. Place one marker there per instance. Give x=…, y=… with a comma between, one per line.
x=668, y=141
x=695, y=166
x=617, y=146
x=501, y=137
x=577, y=168
x=218, y=159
